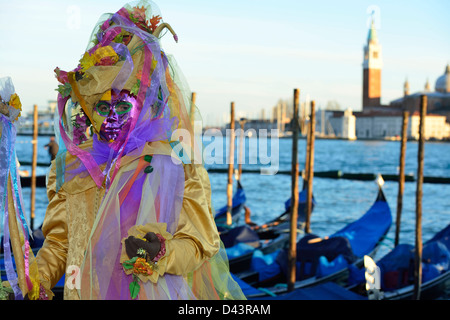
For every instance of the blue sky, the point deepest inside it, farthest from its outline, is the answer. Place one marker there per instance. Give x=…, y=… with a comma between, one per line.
x=252, y=52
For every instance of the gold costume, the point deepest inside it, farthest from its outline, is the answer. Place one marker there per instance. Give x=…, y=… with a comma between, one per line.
x=128, y=181
x=71, y=213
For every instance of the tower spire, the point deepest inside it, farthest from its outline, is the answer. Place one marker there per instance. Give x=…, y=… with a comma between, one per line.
x=372, y=66
x=372, y=36
x=427, y=86
x=406, y=87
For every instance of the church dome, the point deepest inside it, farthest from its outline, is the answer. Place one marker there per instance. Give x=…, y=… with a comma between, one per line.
x=443, y=82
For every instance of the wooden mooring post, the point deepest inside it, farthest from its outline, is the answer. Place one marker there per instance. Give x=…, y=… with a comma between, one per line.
x=192, y=120
x=401, y=176
x=292, y=257
x=192, y=109
x=230, y=168
x=305, y=174
x=310, y=166
x=420, y=165
x=33, y=167
x=242, y=122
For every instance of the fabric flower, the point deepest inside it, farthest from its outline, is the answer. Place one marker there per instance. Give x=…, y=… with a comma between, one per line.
x=105, y=56
x=64, y=89
x=79, y=129
x=15, y=107
x=81, y=120
x=154, y=21
x=139, y=13
x=138, y=16
x=139, y=231
x=61, y=76
x=14, y=101
x=79, y=136
x=86, y=62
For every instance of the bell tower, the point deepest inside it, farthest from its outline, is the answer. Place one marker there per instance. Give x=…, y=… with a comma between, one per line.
x=372, y=66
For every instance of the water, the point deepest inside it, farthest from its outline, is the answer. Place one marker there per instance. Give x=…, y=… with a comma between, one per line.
x=339, y=201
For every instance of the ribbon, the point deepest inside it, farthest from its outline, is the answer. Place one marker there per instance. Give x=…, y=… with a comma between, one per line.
x=15, y=235
x=84, y=156
x=15, y=232
x=16, y=183
x=5, y=161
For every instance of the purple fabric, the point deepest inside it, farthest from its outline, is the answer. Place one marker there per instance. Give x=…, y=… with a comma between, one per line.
x=7, y=156
x=127, y=68
x=113, y=282
x=141, y=130
x=153, y=122
x=102, y=152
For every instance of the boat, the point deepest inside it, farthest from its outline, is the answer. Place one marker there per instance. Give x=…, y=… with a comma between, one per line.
x=396, y=271
x=282, y=223
x=242, y=241
x=321, y=260
x=324, y=291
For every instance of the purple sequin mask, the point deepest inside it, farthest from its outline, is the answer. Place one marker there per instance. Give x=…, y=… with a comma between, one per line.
x=112, y=118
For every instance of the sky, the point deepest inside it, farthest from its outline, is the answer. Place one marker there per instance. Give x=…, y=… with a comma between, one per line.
x=251, y=52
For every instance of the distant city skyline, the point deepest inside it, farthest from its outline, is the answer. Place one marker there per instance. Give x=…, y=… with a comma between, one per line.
x=251, y=52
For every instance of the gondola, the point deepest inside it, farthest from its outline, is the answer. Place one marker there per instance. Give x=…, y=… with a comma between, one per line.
x=396, y=268
x=242, y=241
x=324, y=291
x=282, y=223
x=323, y=260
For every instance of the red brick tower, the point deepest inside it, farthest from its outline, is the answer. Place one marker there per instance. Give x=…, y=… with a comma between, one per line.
x=372, y=70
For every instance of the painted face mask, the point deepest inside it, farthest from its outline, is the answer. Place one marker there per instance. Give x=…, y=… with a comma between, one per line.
x=112, y=116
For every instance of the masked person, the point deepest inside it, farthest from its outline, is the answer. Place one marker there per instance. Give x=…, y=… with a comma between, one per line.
x=129, y=214
x=22, y=278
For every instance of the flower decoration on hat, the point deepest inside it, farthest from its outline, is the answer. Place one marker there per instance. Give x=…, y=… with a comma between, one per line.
x=107, y=50
x=123, y=61
x=11, y=106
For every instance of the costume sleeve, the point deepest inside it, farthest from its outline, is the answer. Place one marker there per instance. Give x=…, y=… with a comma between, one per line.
x=52, y=256
x=196, y=238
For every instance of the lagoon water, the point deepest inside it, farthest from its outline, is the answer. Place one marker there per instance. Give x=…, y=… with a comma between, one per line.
x=339, y=201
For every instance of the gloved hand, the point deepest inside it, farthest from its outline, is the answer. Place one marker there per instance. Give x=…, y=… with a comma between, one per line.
x=151, y=246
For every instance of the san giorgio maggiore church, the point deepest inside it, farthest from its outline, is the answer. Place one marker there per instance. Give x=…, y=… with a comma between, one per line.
x=377, y=121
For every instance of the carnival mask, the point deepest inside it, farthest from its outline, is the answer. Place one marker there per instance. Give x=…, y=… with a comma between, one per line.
x=112, y=116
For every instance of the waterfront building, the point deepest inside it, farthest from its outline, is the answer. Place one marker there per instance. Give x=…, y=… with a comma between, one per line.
x=436, y=127
x=45, y=121
x=386, y=126
x=253, y=127
x=385, y=122
x=344, y=126
x=438, y=101
x=257, y=127
x=377, y=121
